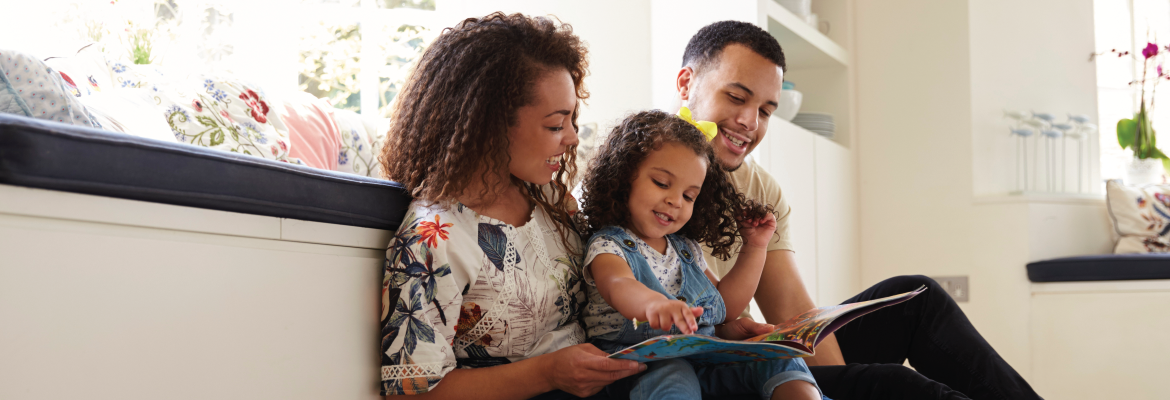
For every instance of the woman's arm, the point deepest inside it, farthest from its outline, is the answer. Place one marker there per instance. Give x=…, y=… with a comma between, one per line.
x=581, y=370
x=622, y=291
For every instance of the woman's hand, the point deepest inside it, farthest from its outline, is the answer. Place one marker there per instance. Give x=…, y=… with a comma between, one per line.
x=583, y=370
x=742, y=328
x=758, y=232
x=663, y=313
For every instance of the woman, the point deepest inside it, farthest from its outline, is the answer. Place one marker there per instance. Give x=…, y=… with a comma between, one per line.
x=486, y=265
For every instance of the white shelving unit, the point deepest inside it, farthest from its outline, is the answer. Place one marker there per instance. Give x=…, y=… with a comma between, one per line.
x=804, y=45
x=819, y=64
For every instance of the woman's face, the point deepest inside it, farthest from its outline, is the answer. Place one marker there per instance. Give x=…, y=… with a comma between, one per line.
x=544, y=129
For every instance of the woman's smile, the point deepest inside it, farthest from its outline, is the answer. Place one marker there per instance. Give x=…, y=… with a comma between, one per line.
x=554, y=162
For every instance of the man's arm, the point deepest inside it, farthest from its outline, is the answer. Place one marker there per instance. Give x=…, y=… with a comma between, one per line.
x=781, y=295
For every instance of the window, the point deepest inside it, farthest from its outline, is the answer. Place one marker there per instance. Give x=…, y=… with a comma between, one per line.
x=356, y=53
x=1127, y=25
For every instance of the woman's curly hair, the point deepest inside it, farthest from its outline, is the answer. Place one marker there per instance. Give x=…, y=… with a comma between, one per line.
x=450, y=122
x=718, y=207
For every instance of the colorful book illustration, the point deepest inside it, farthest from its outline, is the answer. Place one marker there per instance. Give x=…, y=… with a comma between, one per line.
x=796, y=337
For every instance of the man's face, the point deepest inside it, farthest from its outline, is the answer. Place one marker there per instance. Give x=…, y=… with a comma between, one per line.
x=738, y=93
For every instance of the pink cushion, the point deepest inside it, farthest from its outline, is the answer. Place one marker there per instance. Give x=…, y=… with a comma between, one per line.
x=314, y=135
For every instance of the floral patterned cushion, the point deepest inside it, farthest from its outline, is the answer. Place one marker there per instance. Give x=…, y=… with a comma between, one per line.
x=129, y=111
x=225, y=114
x=85, y=73
x=358, y=153
x=1141, y=217
x=30, y=88
x=125, y=75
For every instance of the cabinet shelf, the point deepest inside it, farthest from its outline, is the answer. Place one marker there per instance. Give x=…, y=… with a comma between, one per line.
x=804, y=46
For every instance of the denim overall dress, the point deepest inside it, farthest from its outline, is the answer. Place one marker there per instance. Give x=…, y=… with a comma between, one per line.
x=696, y=290
x=677, y=378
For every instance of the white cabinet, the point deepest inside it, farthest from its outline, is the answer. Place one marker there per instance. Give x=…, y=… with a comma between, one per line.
x=788, y=154
x=819, y=179
x=123, y=299
x=1100, y=340
x=838, y=238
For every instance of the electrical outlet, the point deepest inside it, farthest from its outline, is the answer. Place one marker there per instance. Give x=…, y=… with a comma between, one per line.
x=956, y=286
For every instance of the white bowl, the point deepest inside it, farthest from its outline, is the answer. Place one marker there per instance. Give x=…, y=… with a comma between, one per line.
x=789, y=104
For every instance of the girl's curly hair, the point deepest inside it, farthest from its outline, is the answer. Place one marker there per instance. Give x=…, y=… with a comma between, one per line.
x=718, y=207
x=450, y=122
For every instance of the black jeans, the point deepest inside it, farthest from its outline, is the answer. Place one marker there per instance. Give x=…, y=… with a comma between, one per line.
x=950, y=359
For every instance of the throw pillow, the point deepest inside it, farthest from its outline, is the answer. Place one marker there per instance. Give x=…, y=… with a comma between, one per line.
x=357, y=154
x=85, y=73
x=130, y=111
x=311, y=130
x=1141, y=217
x=29, y=87
x=225, y=114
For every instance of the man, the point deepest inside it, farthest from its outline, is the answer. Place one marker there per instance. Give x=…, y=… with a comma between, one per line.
x=732, y=75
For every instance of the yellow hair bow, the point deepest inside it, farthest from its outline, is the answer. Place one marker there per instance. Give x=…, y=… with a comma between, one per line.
x=709, y=129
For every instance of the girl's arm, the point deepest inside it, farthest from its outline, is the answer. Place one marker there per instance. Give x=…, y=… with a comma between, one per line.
x=622, y=291
x=738, y=286
x=581, y=370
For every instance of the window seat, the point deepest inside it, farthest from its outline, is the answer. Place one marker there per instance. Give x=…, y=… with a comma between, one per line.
x=164, y=270
x=1105, y=267
x=1098, y=323
x=49, y=155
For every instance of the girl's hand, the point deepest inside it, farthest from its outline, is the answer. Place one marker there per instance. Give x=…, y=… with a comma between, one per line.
x=663, y=313
x=583, y=370
x=758, y=232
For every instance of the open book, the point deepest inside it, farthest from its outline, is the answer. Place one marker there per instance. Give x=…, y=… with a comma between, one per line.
x=793, y=338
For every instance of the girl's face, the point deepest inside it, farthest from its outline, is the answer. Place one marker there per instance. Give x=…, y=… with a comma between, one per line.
x=544, y=129
x=664, y=189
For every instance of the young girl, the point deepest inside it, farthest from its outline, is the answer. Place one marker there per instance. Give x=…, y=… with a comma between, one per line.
x=653, y=193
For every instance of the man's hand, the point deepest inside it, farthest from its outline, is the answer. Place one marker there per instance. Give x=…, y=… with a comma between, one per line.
x=663, y=313
x=742, y=328
x=583, y=370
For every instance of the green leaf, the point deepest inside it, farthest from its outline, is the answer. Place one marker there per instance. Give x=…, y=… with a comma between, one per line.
x=216, y=137
x=1126, y=132
x=1166, y=164
x=1148, y=135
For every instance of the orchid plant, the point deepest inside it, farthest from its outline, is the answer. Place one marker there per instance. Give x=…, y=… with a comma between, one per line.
x=1137, y=133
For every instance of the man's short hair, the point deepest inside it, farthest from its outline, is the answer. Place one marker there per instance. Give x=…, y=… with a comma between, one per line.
x=705, y=47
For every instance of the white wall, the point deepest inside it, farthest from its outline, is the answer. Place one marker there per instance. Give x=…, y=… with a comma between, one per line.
x=933, y=78
x=672, y=23
x=1028, y=55
x=618, y=36
x=915, y=176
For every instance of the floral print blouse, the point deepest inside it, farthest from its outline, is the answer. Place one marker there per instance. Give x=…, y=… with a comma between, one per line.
x=472, y=292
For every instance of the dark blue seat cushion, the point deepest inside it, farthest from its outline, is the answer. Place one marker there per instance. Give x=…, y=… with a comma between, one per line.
x=57, y=156
x=1106, y=267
